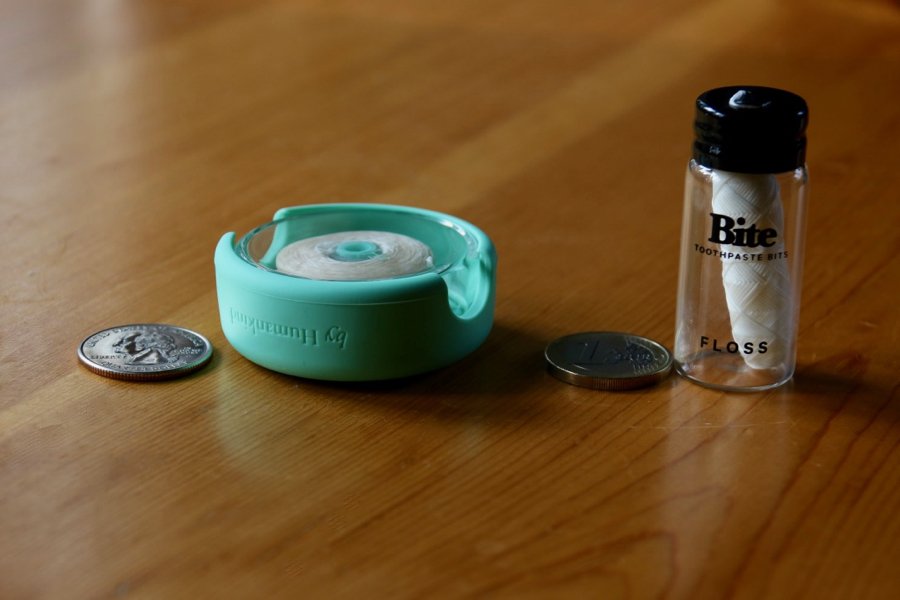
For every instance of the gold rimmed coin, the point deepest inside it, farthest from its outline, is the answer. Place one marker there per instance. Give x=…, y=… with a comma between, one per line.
x=144, y=352
x=608, y=360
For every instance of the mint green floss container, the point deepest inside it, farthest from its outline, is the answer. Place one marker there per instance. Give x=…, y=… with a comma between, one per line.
x=357, y=330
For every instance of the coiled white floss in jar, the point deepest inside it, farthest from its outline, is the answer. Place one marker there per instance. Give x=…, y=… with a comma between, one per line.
x=355, y=256
x=742, y=239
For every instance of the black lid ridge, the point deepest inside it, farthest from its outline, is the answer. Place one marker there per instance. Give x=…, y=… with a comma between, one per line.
x=750, y=129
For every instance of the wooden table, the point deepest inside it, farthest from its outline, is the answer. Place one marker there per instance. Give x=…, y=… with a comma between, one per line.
x=134, y=134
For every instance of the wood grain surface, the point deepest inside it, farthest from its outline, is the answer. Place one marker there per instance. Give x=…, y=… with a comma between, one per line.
x=134, y=134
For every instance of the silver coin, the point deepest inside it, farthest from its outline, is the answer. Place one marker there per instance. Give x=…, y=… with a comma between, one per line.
x=144, y=352
x=608, y=360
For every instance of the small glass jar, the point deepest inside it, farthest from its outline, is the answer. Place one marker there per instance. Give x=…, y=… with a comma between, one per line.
x=742, y=240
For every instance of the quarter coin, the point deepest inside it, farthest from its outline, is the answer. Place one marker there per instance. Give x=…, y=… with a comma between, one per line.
x=144, y=352
x=608, y=360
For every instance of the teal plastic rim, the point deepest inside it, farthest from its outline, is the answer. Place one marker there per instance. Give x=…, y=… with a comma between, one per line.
x=357, y=330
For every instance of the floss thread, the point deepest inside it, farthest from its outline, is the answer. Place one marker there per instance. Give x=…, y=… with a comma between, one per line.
x=354, y=256
x=758, y=292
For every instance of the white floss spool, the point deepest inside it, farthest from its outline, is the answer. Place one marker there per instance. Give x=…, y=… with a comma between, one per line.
x=758, y=292
x=355, y=256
